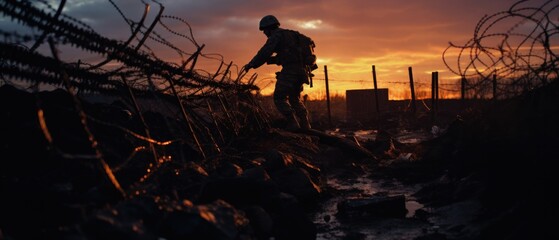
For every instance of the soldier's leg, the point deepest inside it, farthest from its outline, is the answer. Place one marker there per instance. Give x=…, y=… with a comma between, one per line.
x=299, y=108
x=281, y=96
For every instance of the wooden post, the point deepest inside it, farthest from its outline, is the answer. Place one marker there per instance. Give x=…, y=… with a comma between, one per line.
x=327, y=95
x=463, y=88
x=413, y=107
x=376, y=89
x=433, y=90
x=376, y=97
x=433, y=95
x=437, y=91
x=494, y=86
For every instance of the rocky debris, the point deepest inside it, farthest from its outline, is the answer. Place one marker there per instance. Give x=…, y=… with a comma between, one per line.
x=264, y=186
x=484, y=175
x=487, y=174
x=490, y=174
x=55, y=189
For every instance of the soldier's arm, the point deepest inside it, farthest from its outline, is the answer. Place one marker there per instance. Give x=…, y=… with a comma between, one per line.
x=265, y=52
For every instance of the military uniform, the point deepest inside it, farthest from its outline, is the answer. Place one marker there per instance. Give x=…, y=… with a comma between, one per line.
x=290, y=80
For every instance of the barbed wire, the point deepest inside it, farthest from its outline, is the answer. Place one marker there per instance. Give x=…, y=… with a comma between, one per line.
x=209, y=104
x=523, y=51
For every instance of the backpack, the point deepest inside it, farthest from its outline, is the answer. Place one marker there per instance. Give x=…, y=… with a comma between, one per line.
x=305, y=46
x=300, y=49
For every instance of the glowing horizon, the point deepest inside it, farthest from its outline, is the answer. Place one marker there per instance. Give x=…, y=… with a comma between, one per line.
x=351, y=36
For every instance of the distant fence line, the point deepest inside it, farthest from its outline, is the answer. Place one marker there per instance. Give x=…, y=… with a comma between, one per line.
x=474, y=87
x=502, y=65
x=521, y=59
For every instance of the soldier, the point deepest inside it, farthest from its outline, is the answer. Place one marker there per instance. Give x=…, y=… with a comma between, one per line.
x=289, y=85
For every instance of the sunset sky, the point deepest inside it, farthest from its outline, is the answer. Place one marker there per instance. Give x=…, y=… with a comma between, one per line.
x=351, y=36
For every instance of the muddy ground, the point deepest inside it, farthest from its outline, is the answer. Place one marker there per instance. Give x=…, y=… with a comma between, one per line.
x=484, y=173
x=489, y=175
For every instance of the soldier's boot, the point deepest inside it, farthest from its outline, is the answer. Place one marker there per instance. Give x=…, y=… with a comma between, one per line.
x=304, y=122
x=292, y=123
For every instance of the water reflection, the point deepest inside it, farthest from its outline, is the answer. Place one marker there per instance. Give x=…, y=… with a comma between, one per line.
x=332, y=226
x=403, y=136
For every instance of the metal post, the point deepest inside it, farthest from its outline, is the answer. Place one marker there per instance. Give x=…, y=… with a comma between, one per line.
x=376, y=89
x=433, y=90
x=413, y=107
x=463, y=88
x=494, y=86
x=327, y=95
x=433, y=95
x=376, y=97
x=437, y=91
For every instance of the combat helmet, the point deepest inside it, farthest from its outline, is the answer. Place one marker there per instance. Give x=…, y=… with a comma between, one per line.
x=268, y=21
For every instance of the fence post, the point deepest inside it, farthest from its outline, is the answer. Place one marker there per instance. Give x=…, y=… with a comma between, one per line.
x=376, y=96
x=413, y=107
x=463, y=88
x=433, y=94
x=437, y=102
x=437, y=90
x=494, y=86
x=433, y=90
x=376, y=89
x=327, y=95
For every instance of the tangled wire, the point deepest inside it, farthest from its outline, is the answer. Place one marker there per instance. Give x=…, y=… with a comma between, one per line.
x=518, y=46
x=214, y=107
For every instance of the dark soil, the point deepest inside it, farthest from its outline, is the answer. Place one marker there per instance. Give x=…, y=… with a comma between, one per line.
x=487, y=175
x=490, y=176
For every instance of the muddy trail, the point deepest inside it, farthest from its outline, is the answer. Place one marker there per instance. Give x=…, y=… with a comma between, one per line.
x=485, y=173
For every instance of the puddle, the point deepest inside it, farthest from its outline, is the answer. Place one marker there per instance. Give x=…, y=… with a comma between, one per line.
x=412, y=206
x=363, y=185
x=361, y=135
x=404, y=136
x=331, y=227
x=365, y=135
x=412, y=137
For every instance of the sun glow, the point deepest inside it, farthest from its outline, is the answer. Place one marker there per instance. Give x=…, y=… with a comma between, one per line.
x=311, y=24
